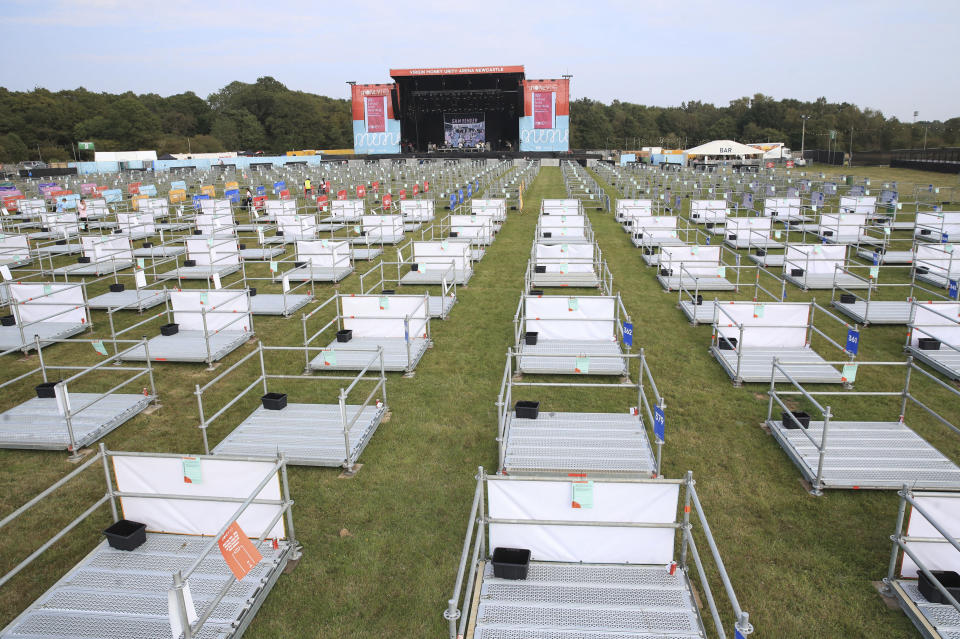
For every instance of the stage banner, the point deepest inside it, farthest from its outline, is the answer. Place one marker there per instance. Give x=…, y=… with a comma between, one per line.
x=464, y=129
x=376, y=112
x=545, y=125
x=375, y=129
x=543, y=110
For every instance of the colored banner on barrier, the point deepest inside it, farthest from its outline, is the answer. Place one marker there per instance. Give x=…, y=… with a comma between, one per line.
x=627, y=334
x=853, y=341
x=659, y=423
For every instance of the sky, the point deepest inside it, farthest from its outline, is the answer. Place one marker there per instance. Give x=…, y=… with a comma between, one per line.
x=892, y=56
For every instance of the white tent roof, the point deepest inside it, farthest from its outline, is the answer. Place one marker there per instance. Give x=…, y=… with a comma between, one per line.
x=723, y=147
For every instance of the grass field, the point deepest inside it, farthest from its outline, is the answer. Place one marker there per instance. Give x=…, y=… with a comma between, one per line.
x=381, y=549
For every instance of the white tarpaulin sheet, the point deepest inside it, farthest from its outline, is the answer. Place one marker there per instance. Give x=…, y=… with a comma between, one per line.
x=939, y=259
x=708, y=210
x=656, y=226
x=699, y=261
x=936, y=224
x=745, y=227
x=14, y=246
x=216, y=207
x=561, y=207
x=569, y=258
x=386, y=227
x=472, y=226
x=929, y=316
x=441, y=254
x=154, y=206
x=774, y=325
x=223, y=308
x=612, y=502
x=630, y=209
x=416, y=210
x=213, y=251
x=60, y=303
x=304, y=226
x=866, y=204
x=557, y=317
x=139, y=223
x=63, y=224
x=495, y=208
x=819, y=259
x=215, y=223
x=934, y=555
x=383, y=315
x=843, y=227
x=324, y=253
x=280, y=207
x=346, y=210
x=104, y=248
x=218, y=478
x=781, y=206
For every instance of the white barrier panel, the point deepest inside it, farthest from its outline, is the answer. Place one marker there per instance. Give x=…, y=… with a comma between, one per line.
x=383, y=315
x=416, y=210
x=63, y=224
x=630, y=209
x=561, y=207
x=748, y=226
x=105, y=248
x=866, y=204
x=297, y=225
x=496, y=208
x=213, y=251
x=324, y=253
x=62, y=304
x=154, y=206
x=97, y=207
x=765, y=325
x=938, y=260
x=218, y=478
x=215, y=223
x=571, y=318
x=442, y=254
x=130, y=223
x=781, y=206
x=387, y=227
x=845, y=227
x=560, y=258
x=32, y=207
x=14, y=247
x=938, y=224
x=612, y=502
x=656, y=226
x=815, y=258
x=929, y=317
x=222, y=307
x=934, y=555
x=700, y=261
x=216, y=207
x=346, y=210
x=280, y=207
x=708, y=210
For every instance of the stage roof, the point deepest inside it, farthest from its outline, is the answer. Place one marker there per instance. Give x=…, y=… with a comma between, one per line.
x=407, y=73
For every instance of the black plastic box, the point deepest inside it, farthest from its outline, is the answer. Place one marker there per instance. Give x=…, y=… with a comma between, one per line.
x=169, y=329
x=536, y=291
x=117, y=288
x=241, y=247
x=928, y=344
x=732, y=236
x=947, y=578
x=727, y=343
x=126, y=534
x=274, y=401
x=511, y=563
x=147, y=244
x=45, y=390
x=540, y=269
x=526, y=409
x=189, y=262
x=699, y=300
x=666, y=272
x=414, y=266
x=8, y=320
x=761, y=252
x=796, y=272
x=83, y=259
x=388, y=291
x=530, y=338
x=847, y=298
x=795, y=419
x=253, y=291
x=345, y=335
x=454, y=234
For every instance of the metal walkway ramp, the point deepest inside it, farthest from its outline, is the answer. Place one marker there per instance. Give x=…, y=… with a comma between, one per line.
x=803, y=364
x=883, y=455
x=943, y=618
x=587, y=601
x=572, y=442
x=876, y=312
x=115, y=594
x=604, y=357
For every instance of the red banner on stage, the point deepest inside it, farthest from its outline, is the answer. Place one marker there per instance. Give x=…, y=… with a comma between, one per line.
x=543, y=110
x=376, y=114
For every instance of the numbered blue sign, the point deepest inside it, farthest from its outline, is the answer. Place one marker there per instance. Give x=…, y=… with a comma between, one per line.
x=876, y=259
x=469, y=190
x=279, y=186
x=453, y=200
x=460, y=196
x=261, y=190
x=954, y=289
x=659, y=423
x=944, y=237
x=853, y=341
x=628, y=334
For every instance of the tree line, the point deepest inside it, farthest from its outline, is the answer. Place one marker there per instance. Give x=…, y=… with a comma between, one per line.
x=267, y=116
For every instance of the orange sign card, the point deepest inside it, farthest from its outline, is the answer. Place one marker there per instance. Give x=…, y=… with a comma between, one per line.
x=238, y=551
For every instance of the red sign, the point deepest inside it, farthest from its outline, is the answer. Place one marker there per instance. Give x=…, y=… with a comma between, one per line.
x=285, y=194
x=60, y=193
x=342, y=194
x=403, y=194
x=375, y=107
x=426, y=186
x=375, y=186
x=789, y=164
x=258, y=202
x=10, y=203
x=769, y=165
x=387, y=201
x=238, y=551
x=134, y=188
x=326, y=185
x=361, y=191
x=543, y=110
x=321, y=202
x=416, y=189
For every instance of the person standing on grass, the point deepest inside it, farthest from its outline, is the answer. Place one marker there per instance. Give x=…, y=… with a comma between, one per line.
x=82, y=211
x=306, y=188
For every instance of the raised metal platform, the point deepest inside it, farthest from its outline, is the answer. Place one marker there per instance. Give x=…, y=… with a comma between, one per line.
x=94, y=268
x=10, y=335
x=945, y=360
x=571, y=280
x=699, y=313
x=132, y=300
x=877, y=312
x=775, y=259
x=440, y=305
x=806, y=365
x=586, y=601
x=366, y=253
x=159, y=251
x=57, y=249
x=940, y=281
x=116, y=594
x=260, y=254
x=822, y=281
x=188, y=346
x=933, y=621
x=198, y=272
x=277, y=303
x=605, y=357
x=594, y=443
x=355, y=355
x=308, y=434
x=707, y=283
x=435, y=276
x=882, y=455
x=316, y=274
x=37, y=424
x=748, y=243
x=652, y=242
x=888, y=257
